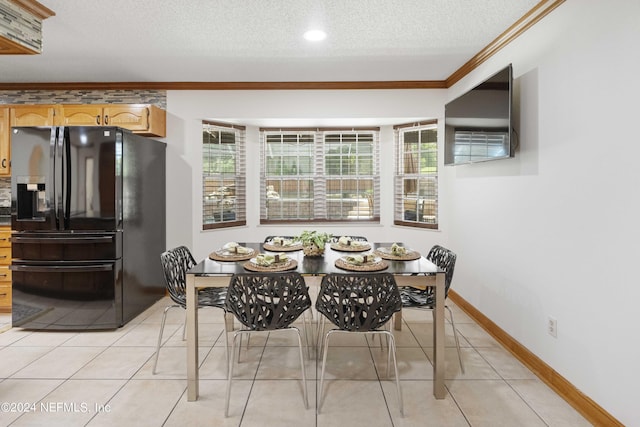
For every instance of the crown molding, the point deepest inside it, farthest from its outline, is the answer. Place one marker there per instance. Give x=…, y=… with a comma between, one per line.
x=34, y=8
x=338, y=85
x=541, y=10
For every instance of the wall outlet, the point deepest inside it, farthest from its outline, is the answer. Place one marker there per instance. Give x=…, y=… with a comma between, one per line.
x=552, y=326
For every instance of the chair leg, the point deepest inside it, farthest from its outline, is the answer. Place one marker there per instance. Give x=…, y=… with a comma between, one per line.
x=455, y=336
x=311, y=342
x=320, y=331
x=230, y=374
x=184, y=327
x=392, y=344
x=324, y=365
x=225, y=336
x=164, y=318
x=304, y=374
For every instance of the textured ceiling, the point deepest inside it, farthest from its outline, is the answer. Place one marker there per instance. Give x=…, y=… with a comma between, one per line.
x=260, y=40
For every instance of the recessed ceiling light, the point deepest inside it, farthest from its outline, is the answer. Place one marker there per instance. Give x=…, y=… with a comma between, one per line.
x=315, y=35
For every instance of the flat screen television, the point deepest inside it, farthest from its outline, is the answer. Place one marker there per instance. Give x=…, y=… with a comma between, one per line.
x=478, y=124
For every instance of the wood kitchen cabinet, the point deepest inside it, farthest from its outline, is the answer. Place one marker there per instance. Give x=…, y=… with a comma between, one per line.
x=5, y=142
x=33, y=115
x=143, y=119
x=5, y=273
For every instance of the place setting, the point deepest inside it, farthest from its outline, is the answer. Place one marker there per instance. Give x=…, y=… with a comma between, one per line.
x=361, y=262
x=397, y=252
x=232, y=251
x=271, y=262
x=348, y=244
x=282, y=244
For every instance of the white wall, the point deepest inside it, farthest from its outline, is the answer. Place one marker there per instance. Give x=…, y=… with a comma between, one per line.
x=556, y=231
x=553, y=231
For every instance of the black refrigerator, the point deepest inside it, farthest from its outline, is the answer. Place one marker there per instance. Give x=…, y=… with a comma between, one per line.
x=88, y=222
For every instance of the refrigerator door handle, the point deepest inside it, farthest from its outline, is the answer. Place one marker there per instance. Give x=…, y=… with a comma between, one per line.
x=61, y=268
x=58, y=240
x=56, y=177
x=67, y=180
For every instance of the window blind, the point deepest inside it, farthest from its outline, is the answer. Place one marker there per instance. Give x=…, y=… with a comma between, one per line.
x=416, y=175
x=322, y=174
x=223, y=175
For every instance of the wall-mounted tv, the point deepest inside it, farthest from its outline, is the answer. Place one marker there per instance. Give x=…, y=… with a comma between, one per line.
x=478, y=124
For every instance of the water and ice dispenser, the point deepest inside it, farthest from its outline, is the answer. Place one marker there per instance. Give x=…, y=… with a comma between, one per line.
x=31, y=201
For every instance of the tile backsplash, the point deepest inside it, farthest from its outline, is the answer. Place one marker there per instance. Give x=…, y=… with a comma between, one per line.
x=5, y=192
x=155, y=97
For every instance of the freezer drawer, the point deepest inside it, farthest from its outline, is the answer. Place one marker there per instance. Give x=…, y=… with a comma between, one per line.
x=85, y=281
x=66, y=246
x=67, y=296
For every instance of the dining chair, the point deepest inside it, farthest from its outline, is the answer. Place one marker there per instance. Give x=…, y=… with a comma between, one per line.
x=309, y=312
x=359, y=303
x=424, y=299
x=175, y=264
x=264, y=302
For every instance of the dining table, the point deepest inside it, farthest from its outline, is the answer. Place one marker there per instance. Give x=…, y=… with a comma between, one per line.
x=216, y=271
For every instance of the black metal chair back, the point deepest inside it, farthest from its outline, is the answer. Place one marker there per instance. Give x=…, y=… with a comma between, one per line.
x=267, y=301
x=175, y=264
x=446, y=260
x=358, y=302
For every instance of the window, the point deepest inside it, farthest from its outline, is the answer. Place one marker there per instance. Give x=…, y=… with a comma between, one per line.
x=223, y=175
x=416, y=182
x=473, y=146
x=320, y=174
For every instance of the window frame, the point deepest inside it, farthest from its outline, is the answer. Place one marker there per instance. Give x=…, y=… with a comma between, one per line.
x=238, y=177
x=401, y=176
x=318, y=178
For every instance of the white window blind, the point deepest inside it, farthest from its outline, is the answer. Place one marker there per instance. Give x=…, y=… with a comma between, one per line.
x=416, y=178
x=472, y=146
x=223, y=175
x=319, y=175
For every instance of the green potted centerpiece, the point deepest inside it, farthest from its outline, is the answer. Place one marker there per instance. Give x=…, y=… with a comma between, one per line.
x=313, y=242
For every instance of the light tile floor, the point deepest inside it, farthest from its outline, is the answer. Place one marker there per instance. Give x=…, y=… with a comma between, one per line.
x=105, y=379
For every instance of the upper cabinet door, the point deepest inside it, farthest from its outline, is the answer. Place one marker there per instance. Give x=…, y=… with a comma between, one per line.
x=82, y=115
x=33, y=115
x=143, y=119
x=5, y=143
x=132, y=117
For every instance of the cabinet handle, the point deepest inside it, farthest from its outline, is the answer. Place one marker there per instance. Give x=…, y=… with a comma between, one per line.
x=106, y=120
x=3, y=295
x=4, y=275
x=98, y=119
x=3, y=256
x=4, y=163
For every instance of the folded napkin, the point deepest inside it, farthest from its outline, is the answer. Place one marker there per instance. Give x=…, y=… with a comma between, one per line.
x=358, y=259
x=281, y=241
x=234, y=247
x=398, y=250
x=347, y=241
x=266, y=260
x=355, y=259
